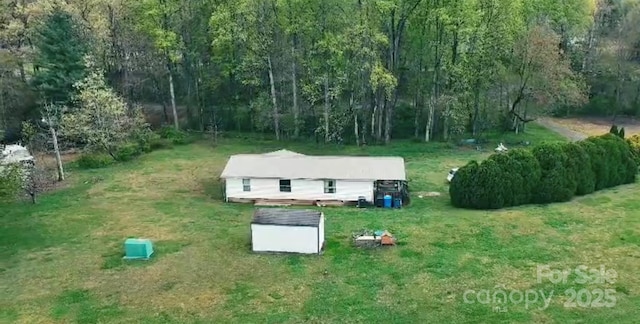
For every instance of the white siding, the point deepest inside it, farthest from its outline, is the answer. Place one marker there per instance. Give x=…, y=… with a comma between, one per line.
x=292, y=239
x=321, y=231
x=348, y=190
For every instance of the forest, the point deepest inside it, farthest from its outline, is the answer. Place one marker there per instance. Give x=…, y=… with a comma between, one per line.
x=344, y=71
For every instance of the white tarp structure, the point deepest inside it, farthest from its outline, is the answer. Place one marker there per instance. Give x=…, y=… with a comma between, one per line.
x=10, y=154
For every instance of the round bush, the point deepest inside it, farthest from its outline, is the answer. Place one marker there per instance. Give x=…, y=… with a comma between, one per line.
x=579, y=165
x=94, y=161
x=599, y=165
x=557, y=183
x=487, y=192
x=627, y=169
x=177, y=137
x=520, y=176
x=462, y=185
x=127, y=152
x=145, y=139
x=620, y=164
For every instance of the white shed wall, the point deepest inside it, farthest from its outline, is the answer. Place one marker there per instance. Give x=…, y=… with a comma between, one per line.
x=292, y=239
x=348, y=190
x=321, y=230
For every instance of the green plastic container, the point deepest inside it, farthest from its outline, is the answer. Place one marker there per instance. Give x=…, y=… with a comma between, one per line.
x=138, y=249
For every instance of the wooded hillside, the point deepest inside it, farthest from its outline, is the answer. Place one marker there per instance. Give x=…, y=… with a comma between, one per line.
x=357, y=71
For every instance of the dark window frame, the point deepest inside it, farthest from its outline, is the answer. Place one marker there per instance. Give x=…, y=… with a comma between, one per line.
x=285, y=185
x=330, y=186
x=246, y=187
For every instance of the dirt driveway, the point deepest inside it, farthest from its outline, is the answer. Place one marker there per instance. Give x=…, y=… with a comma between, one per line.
x=561, y=129
x=580, y=128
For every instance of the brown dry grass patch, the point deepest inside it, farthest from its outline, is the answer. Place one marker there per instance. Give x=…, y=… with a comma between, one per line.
x=597, y=126
x=506, y=224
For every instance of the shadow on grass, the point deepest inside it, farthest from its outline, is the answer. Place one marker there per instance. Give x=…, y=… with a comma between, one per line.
x=25, y=226
x=83, y=307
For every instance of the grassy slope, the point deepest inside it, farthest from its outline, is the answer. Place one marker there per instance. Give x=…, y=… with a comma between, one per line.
x=61, y=259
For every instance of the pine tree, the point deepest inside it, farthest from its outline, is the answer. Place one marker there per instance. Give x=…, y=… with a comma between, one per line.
x=59, y=61
x=614, y=129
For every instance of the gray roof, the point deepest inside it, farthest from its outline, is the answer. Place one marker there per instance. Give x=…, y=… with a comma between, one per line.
x=291, y=166
x=286, y=217
x=283, y=152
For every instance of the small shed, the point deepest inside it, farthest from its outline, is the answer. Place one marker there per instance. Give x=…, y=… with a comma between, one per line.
x=287, y=230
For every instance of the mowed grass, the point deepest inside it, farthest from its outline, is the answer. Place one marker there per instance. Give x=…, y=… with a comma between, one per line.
x=61, y=260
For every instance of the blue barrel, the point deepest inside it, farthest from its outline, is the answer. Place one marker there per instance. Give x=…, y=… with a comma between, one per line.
x=387, y=201
x=397, y=203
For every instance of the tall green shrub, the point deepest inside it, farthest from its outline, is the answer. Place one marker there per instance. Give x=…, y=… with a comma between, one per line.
x=557, y=182
x=462, y=186
x=579, y=166
x=520, y=176
x=597, y=156
x=548, y=173
x=618, y=163
x=627, y=166
x=488, y=182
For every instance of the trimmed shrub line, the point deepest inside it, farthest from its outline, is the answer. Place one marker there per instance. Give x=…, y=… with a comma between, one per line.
x=551, y=172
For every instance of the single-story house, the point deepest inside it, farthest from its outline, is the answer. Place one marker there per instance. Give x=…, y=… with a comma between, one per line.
x=295, y=177
x=287, y=230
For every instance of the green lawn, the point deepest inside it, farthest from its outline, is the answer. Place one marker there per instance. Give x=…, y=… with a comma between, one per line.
x=61, y=259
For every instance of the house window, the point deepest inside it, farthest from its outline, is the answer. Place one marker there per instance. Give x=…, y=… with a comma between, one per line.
x=285, y=185
x=330, y=186
x=246, y=184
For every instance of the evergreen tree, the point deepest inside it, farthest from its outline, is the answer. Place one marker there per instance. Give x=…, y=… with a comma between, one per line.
x=614, y=129
x=59, y=61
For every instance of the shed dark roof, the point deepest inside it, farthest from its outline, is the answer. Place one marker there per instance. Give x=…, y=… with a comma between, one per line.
x=286, y=217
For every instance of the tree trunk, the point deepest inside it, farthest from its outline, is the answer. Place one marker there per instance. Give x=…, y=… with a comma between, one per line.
x=416, y=117
x=164, y=112
x=618, y=94
x=356, y=130
x=294, y=85
x=524, y=114
x=199, y=102
x=428, y=128
x=388, y=118
x=636, y=101
x=435, y=89
x=380, y=116
x=326, y=108
x=176, y=123
x=56, y=149
x=476, y=108
x=587, y=54
x=374, y=117
x=276, y=116
x=445, y=125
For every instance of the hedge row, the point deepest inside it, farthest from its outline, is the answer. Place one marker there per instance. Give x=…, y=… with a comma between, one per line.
x=553, y=172
x=139, y=143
